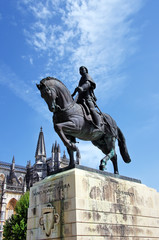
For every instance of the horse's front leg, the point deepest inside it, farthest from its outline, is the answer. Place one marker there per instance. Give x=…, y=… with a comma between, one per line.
x=71, y=155
x=110, y=154
x=68, y=127
x=70, y=151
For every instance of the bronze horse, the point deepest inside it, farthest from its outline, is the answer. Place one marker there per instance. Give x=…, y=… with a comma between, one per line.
x=71, y=122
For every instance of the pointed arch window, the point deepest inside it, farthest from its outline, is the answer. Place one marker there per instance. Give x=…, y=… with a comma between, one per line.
x=10, y=209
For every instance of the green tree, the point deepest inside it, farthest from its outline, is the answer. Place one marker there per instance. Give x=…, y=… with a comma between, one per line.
x=16, y=226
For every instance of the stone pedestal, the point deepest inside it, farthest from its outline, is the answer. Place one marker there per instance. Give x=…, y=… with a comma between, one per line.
x=83, y=204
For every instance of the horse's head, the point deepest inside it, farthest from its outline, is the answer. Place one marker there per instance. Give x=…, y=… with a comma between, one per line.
x=48, y=93
x=55, y=94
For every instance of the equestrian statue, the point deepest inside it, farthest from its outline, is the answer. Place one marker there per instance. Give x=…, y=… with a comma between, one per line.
x=81, y=118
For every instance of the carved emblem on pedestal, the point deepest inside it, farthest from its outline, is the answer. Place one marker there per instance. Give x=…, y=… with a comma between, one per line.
x=49, y=219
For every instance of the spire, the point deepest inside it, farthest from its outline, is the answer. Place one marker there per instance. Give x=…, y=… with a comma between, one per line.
x=13, y=163
x=64, y=155
x=40, y=149
x=58, y=148
x=53, y=148
x=13, y=160
x=28, y=164
x=12, y=174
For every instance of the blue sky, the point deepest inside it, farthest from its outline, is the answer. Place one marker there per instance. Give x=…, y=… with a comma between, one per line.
x=117, y=40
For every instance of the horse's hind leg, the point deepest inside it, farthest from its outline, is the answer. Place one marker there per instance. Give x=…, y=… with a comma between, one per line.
x=103, y=163
x=113, y=157
x=71, y=155
x=115, y=164
x=108, y=147
x=101, y=166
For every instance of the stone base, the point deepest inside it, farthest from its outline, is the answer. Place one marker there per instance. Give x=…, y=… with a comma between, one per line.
x=80, y=204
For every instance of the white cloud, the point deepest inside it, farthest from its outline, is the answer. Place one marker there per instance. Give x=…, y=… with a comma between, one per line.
x=40, y=10
x=97, y=34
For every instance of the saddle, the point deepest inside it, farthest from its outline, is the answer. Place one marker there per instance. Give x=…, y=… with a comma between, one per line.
x=108, y=125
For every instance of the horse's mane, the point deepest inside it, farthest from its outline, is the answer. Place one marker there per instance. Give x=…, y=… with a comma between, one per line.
x=52, y=78
x=55, y=79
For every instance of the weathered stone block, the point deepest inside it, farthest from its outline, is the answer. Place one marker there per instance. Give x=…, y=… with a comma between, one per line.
x=81, y=204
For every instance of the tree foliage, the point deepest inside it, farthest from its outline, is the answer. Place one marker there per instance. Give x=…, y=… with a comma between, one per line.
x=15, y=227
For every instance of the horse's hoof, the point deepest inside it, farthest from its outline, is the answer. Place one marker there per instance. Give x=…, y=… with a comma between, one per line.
x=101, y=167
x=116, y=172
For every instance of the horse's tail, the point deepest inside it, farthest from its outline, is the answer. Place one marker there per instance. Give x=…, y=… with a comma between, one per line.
x=122, y=146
